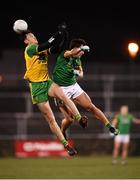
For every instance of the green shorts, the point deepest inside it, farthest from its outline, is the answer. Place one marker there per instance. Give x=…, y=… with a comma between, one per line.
x=39, y=91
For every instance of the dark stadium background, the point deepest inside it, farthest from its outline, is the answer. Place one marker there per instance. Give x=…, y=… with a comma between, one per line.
x=106, y=26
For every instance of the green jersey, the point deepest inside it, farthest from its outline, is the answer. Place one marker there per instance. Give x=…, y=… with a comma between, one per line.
x=63, y=72
x=124, y=123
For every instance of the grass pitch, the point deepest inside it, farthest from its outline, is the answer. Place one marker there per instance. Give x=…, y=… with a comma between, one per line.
x=91, y=167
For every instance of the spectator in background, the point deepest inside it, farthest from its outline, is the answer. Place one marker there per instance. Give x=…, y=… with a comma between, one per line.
x=123, y=121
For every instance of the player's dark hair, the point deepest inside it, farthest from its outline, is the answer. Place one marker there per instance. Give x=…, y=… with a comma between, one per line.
x=77, y=43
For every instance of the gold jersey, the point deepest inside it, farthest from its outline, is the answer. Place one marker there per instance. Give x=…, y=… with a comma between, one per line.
x=36, y=64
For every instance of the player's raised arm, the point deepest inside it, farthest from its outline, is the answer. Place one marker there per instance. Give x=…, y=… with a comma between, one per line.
x=51, y=42
x=76, y=50
x=57, y=41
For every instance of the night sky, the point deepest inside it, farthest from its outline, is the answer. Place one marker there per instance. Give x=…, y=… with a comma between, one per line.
x=107, y=27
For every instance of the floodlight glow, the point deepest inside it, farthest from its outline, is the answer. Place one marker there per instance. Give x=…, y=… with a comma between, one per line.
x=133, y=48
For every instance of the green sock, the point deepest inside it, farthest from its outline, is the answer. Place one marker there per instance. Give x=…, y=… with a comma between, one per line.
x=64, y=142
x=77, y=117
x=108, y=125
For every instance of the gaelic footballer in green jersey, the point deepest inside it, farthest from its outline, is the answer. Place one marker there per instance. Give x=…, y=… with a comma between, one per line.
x=123, y=120
x=67, y=69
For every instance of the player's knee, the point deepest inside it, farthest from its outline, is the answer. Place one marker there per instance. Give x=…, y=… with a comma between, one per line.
x=89, y=107
x=62, y=97
x=68, y=120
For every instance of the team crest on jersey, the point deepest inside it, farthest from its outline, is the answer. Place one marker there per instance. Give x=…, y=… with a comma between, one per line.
x=42, y=57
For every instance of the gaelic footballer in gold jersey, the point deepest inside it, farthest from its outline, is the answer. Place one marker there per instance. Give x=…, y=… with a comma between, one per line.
x=41, y=86
x=37, y=69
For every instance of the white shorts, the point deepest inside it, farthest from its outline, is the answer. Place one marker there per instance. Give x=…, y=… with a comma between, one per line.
x=122, y=138
x=72, y=91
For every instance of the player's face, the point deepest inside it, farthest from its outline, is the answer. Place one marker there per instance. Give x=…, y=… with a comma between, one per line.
x=124, y=110
x=31, y=39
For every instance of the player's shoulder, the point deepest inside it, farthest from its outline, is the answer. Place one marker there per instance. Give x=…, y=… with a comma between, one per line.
x=31, y=46
x=31, y=49
x=62, y=53
x=131, y=116
x=118, y=116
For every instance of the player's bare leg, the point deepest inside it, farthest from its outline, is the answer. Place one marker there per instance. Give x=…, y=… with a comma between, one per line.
x=85, y=101
x=67, y=121
x=124, y=152
x=56, y=91
x=116, y=152
x=49, y=117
